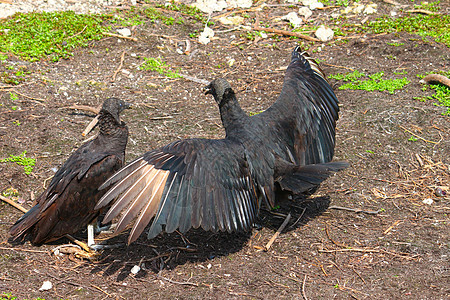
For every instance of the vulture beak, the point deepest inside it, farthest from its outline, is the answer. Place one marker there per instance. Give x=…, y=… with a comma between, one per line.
x=127, y=105
x=207, y=89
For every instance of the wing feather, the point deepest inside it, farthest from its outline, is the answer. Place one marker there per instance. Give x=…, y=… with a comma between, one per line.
x=189, y=183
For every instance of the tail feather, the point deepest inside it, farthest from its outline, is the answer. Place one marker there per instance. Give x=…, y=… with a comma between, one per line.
x=20, y=229
x=310, y=176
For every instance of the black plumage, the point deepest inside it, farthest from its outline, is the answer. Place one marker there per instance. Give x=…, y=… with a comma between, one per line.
x=220, y=184
x=67, y=205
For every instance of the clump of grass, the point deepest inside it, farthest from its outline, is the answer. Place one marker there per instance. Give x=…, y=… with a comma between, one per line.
x=154, y=14
x=435, y=26
x=374, y=83
x=395, y=44
x=14, y=76
x=192, y=11
x=430, y=6
x=155, y=64
x=353, y=77
x=34, y=36
x=21, y=160
x=442, y=93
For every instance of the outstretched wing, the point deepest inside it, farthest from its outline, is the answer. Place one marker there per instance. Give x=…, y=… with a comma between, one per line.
x=305, y=114
x=188, y=183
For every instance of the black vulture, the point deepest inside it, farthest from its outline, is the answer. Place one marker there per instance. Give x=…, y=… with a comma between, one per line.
x=67, y=205
x=219, y=185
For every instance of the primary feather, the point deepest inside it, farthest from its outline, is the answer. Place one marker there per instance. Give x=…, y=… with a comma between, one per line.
x=220, y=184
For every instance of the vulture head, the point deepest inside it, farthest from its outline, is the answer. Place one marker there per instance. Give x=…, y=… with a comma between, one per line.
x=219, y=88
x=115, y=106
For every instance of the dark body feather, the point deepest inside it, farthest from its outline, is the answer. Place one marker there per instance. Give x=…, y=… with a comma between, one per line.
x=68, y=204
x=220, y=184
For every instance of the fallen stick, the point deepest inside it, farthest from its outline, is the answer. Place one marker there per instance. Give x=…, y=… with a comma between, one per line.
x=256, y=27
x=24, y=250
x=391, y=227
x=12, y=203
x=86, y=108
x=122, y=57
x=90, y=126
x=94, y=121
x=303, y=288
x=285, y=32
x=422, y=11
x=274, y=237
x=436, y=78
x=418, y=136
x=195, y=79
x=32, y=98
x=120, y=36
x=356, y=210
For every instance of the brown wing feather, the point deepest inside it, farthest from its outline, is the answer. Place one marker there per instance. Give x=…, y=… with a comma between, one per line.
x=172, y=189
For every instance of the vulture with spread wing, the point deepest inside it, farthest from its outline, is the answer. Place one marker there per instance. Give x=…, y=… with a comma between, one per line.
x=220, y=184
x=67, y=205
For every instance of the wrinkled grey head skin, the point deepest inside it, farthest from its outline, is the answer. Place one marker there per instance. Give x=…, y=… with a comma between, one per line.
x=217, y=88
x=115, y=106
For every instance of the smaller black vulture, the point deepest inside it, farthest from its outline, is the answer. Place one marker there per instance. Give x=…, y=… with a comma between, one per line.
x=220, y=184
x=67, y=205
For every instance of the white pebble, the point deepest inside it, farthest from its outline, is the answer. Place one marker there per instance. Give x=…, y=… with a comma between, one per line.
x=324, y=33
x=47, y=285
x=135, y=269
x=305, y=12
x=124, y=31
x=428, y=201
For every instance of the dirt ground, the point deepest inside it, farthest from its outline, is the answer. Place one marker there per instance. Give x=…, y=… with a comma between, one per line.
x=399, y=250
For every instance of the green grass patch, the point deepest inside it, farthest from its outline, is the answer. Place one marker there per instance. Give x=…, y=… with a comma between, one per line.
x=430, y=6
x=395, y=44
x=185, y=9
x=436, y=26
x=34, y=36
x=353, y=76
x=21, y=160
x=442, y=93
x=156, y=65
x=13, y=75
x=374, y=83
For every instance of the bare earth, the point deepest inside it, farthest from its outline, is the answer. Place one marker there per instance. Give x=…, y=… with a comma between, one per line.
x=399, y=252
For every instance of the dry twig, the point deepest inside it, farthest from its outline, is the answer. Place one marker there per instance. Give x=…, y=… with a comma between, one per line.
x=269, y=244
x=303, y=288
x=436, y=78
x=391, y=227
x=285, y=32
x=256, y=27
x=122, y=57
x=356, y=210
x=422, y=11
x=90, y=126
x=418, y=136
x=12, y=203
x=195, y=79
x=32, y=98
x=24, y=250
x=94, y=110
x=120, y=36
